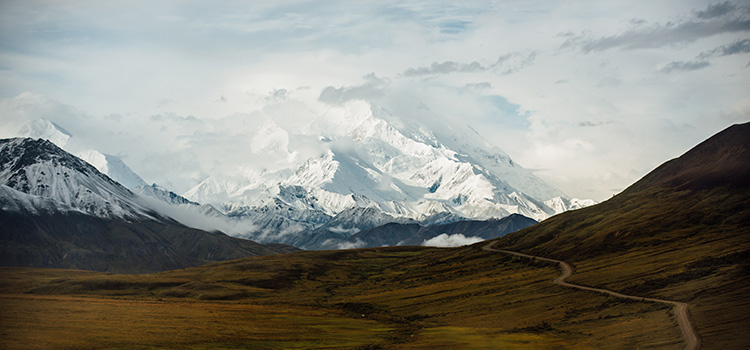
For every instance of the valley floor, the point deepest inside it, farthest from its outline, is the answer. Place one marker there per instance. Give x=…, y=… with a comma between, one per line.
x=385, y=298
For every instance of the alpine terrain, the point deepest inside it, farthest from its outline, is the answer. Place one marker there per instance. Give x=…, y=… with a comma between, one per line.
x=375, y=168
x=58, y=211
x=368, y=168
x=108, y=164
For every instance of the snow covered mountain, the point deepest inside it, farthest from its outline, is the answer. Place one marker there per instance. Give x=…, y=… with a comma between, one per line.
x=353, y=167
x=33, y=171
x=45, y=129
x=370, y=159
x=163, y=194
x=114, y=167
x=108, y=164
x=58, y=211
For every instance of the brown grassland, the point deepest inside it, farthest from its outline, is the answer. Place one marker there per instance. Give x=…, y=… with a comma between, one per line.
x=389, y=298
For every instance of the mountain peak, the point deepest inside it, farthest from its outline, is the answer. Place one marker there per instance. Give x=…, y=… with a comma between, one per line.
x=114, y=167
x=38, y=169
x=18, y=153
x=422, y=170
x=45, y=129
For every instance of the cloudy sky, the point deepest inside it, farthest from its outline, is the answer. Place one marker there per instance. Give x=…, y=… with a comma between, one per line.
x=590, y=94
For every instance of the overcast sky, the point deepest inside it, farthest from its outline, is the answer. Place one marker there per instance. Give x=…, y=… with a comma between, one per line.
x=591, y=94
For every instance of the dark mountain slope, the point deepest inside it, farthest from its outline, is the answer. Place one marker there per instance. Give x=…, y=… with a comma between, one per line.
x=682, y=233
x=79, y=241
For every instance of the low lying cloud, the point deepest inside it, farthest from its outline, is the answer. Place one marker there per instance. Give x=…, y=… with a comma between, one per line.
x=349, y=245
x=193, y=216
x=455, y=240
x=341, y=229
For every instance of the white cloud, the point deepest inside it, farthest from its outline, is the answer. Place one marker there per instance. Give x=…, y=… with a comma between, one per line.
x=139, y=79
x=347, y=245
x=455, y=240
x=341, y=229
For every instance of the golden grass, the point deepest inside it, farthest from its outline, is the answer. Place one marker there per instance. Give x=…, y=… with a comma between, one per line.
x=41, y=322
x=401, y=298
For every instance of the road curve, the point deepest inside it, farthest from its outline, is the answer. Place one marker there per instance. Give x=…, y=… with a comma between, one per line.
x=680, y=309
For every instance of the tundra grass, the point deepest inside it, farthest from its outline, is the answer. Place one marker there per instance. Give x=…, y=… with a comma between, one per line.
x=385, y=298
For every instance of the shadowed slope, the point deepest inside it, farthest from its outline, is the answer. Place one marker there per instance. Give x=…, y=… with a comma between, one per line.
x=679, y=233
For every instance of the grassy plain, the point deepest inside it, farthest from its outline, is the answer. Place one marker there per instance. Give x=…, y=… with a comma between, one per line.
x=384, y=298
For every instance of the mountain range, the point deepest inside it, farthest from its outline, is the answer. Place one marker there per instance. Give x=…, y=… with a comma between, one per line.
x=373, y=168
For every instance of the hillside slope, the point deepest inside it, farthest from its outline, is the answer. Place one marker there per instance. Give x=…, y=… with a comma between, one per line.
x=682, y=233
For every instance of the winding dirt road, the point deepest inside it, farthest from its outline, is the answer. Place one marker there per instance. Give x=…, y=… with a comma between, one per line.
x=680, y=309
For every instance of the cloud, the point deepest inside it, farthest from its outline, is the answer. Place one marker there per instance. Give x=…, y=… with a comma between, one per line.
x=593, y=124
x=373, y=87
x=716, y=19
x=277, y=95
x=164, y=102
x=446, y=68
x=341, y=229
x=716, y=10
x=505, y=64
x=183, y=55
x=194, y=216
x=701, y=61
x=346, y=245
x=684, y=66
x=455, y=240
x=478, y=86
x=739, y=46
